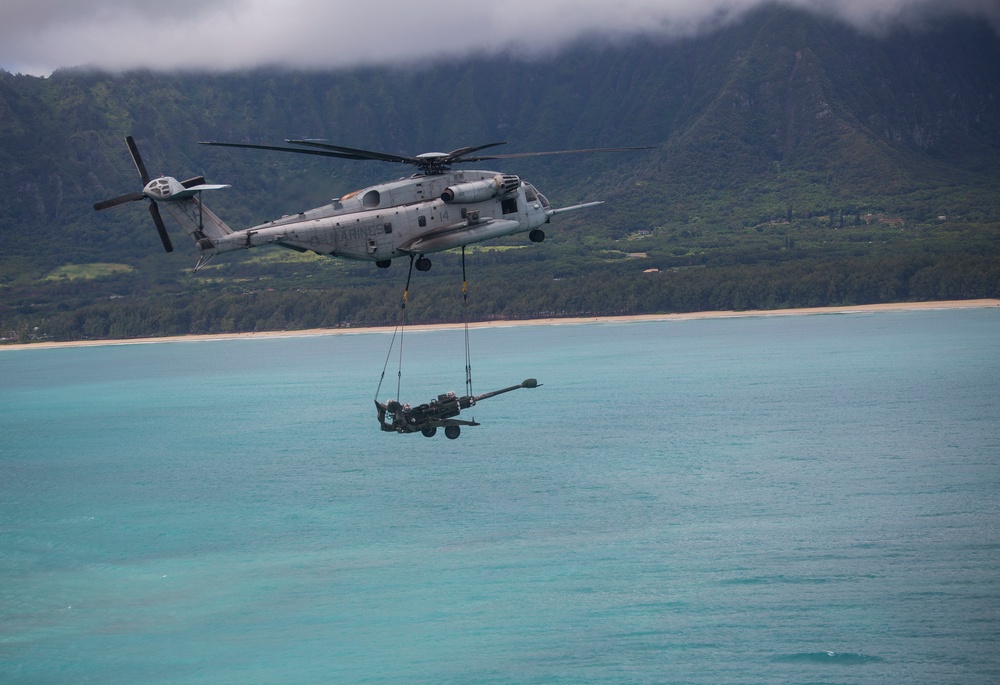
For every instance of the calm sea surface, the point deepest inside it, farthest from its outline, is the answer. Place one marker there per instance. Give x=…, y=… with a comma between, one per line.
x=809, y=499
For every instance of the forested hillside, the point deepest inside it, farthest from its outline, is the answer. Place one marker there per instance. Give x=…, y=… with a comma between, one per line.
x=796, y=162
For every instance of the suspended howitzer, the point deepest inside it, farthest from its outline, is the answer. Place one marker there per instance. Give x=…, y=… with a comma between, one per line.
x=440, y=412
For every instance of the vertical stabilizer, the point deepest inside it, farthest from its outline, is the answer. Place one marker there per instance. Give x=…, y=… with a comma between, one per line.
x=198, y=221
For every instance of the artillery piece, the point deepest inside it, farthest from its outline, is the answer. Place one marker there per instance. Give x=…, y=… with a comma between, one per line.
x=439, y=412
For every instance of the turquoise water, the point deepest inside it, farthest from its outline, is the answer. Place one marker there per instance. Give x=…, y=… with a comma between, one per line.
x=807, y=499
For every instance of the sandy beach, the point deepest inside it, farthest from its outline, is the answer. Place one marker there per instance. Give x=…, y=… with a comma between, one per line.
x=868, y=308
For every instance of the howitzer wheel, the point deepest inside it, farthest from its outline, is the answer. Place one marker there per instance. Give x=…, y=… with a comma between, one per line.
x=452, y=432
x=429, y=431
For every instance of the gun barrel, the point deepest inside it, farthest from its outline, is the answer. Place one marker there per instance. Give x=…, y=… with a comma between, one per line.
x=527, y=383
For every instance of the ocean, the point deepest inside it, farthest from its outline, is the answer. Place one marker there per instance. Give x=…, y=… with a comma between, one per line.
x=800, y=499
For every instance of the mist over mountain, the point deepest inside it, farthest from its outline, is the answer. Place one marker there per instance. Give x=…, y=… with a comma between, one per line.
x=782, y=115
x=221, y=35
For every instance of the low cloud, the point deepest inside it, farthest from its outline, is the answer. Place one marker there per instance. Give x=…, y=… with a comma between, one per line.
x=41, y=36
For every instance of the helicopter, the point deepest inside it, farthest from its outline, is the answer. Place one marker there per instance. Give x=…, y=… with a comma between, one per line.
x=435, y=209
x=427, y=418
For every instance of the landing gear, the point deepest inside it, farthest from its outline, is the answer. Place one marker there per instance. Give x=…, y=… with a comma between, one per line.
x=383, y=263
x=429, y=431
x=536, y=235
x=423, y=264
x=452, y=432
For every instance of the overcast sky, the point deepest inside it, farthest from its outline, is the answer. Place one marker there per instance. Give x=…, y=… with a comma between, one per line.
x=38, y=36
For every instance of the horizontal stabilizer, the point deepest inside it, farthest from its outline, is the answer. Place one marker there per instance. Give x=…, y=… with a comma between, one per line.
x=189, y=192
x=209, y=186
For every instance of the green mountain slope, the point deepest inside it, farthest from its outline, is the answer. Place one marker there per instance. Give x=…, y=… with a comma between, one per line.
x=797, y=162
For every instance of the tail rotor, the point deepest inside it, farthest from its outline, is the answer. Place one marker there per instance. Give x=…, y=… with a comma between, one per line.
x=154, y=210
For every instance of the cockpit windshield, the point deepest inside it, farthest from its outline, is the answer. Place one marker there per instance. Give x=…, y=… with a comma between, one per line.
x=532, y=195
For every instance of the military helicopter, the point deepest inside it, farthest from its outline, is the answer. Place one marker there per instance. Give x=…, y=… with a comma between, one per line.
x=427, y=418
x=435, y=209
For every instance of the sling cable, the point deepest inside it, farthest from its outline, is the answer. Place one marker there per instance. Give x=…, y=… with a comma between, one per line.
x=400, y=327
x=397, y=417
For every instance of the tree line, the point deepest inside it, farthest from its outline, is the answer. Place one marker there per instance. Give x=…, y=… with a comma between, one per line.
x=525, y=294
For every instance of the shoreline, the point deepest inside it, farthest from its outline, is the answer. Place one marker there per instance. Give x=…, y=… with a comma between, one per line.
x=569, y=321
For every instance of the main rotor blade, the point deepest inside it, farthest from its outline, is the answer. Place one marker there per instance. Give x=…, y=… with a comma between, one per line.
x=120, y=200
x=455, y=154
x=358, y=153
x=160, y=228
x=139, y=166
x=281, y=148
x=554, y=152
x=453, y=157
x=191, y=182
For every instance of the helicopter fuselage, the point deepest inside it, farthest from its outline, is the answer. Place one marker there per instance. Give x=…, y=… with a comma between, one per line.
x=417, y=215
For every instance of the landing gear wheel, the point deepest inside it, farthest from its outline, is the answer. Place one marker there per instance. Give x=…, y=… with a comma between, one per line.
x=423, y=264
x=536, y=235
x=383, y=263
x=452, y=432
x=429, y=431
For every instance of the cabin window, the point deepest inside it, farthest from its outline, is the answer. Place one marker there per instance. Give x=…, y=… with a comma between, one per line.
x=509, y=206
x=421, y=221
x=388, y=227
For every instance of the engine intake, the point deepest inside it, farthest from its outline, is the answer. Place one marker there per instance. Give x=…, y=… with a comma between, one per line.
x=480, y=191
